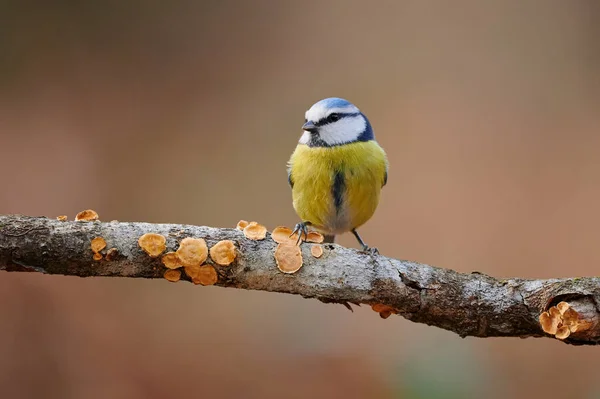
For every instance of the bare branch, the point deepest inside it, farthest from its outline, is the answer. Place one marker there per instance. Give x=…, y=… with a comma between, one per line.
x=469, y=304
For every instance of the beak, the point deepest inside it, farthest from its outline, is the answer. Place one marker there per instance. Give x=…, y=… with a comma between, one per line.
x=309, y=127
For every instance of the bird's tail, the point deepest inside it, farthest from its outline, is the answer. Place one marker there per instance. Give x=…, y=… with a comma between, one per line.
x=329, y=239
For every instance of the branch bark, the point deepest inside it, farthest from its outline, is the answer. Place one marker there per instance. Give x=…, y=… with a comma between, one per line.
x=471, y=304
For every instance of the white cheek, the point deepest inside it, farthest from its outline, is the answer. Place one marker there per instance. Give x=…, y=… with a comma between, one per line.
x=343, y=131
x=305, y=138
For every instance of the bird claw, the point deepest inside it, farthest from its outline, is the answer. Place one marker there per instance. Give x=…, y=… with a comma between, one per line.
x=302, y=230
x=369, y=250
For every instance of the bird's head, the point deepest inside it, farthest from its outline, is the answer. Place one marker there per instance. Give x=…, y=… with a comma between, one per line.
x=335, y=121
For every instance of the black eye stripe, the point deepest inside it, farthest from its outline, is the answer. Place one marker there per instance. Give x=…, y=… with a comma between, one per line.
x=324, y=121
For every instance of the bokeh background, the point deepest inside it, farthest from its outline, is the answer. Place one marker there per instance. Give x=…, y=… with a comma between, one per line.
x=187, y=111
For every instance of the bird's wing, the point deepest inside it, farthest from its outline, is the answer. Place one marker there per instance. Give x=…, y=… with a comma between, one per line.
x=385, y=178
x=289, y=173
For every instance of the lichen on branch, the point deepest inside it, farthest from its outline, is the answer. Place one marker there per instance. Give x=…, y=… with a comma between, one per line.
x=469, y=304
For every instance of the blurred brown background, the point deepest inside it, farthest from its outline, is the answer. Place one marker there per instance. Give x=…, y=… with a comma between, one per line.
x=187, y=111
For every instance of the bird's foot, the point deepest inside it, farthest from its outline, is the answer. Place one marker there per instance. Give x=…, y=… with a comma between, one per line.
x=302, y=230
x=369, y=250
x=365, y=248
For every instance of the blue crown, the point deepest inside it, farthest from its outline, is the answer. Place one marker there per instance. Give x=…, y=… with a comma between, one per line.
x=334, y=102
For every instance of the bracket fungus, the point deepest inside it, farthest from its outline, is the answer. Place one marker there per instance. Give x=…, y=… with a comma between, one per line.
x=192, y=251
x=88, y=215
x=206, y=275
x=223, y=252
x=316, y=250
x=171, y=260
x=153, y=244
x=97, y=245
x=283, y=235
x=562, y=320
x=255, y=231
x=62, y=218
x=314, y=236
x=384, y=311
x=241, y=225
x=192, y=271
x=288, y=258
x=172, y=275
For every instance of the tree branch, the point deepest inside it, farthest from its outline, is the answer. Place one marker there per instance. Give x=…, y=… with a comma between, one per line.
x=468, y=304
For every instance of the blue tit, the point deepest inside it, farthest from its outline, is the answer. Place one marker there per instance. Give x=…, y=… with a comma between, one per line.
x=337, y=170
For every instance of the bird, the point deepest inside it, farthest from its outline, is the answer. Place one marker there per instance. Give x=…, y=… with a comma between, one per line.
x=336, y=172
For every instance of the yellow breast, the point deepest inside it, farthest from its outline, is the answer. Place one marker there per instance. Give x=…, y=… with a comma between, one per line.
x=337, y=188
